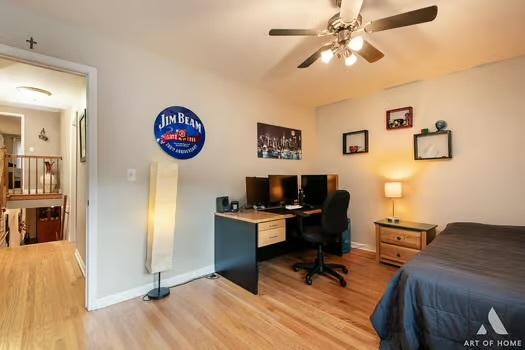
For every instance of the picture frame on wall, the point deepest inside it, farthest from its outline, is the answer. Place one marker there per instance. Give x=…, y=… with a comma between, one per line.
x=399, y=118
x=355, y=142
x=82, y=136
x=277, y=142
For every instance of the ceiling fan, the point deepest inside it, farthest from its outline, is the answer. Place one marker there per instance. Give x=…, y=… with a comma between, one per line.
x=346, y=29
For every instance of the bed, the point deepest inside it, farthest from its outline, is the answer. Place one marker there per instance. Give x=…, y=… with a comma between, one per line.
x=443, y=297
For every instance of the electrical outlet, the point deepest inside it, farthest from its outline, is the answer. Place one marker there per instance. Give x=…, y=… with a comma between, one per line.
x=132, y=175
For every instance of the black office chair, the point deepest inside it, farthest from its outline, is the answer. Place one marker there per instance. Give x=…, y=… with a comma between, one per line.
x=334, y=221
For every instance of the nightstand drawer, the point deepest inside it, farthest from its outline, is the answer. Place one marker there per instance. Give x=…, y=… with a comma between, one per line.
x=270, y=225
x=273, y=236
x=396, y=253
x=405, y=238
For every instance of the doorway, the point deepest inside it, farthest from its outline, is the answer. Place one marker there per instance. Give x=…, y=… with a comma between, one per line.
x=74, y=167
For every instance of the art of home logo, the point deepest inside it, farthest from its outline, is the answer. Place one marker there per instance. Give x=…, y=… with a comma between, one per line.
x=496, y=325
x=179, y=132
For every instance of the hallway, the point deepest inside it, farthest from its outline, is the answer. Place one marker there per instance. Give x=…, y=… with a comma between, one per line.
x=42, y=297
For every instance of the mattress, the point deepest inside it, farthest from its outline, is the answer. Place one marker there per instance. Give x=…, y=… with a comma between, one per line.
x=466, y=290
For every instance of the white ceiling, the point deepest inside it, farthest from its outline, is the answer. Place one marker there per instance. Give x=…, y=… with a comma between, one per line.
x=231, y=38
x=65, y=88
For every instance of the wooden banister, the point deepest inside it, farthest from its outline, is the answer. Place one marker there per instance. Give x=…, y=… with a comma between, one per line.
x=22, y=175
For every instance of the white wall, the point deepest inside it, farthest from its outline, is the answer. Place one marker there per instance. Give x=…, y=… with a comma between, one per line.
x=74, y=172
x=10, y=125
x=34, y=121
x=134, y=86
x=483, y=182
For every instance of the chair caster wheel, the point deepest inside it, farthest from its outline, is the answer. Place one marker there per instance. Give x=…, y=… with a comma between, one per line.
x=308, y=281
x=342, y=283
x=345, y=270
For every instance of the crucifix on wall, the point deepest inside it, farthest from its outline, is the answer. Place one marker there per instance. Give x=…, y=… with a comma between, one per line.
x=31, y=43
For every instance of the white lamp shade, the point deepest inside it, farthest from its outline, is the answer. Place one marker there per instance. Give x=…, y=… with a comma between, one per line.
x=161, y=216
x=393, y=189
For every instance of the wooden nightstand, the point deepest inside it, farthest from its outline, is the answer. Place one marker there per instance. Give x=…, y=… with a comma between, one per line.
x=398, y=242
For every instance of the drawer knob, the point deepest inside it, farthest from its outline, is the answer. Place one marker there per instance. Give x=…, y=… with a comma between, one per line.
x=398, y=238
x=398, y=255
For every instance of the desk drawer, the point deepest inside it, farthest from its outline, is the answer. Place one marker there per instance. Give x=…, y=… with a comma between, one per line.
x=272, y=236
x=405, y=238
x=396, y=253
x=271, y=225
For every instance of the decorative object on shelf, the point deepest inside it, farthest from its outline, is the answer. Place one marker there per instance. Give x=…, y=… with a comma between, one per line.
x=82, y=130
x=393, y=190
x=399, y=118
x=179, y=132
x=277, y=142
x=425, y=131
x=433, y=145
x=355, y=142
x=42, y=136
x=441, y=125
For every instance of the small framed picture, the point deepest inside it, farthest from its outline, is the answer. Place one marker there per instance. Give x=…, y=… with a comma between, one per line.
x=355, y=142
x=82, y=136
x=399, y=118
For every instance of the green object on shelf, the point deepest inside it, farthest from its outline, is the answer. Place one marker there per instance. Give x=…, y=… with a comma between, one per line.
x=424, y=131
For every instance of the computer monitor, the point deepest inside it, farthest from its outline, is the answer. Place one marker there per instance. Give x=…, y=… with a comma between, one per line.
x=317, y=187
x=283, y=189
x=257, y=191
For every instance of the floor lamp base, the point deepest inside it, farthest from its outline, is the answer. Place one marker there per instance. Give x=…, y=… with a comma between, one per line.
x=158, y=293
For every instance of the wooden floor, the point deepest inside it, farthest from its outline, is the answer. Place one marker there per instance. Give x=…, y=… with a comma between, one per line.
x=41, y=307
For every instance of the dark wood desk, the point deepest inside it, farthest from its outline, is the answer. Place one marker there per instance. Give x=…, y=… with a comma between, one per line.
x=240, y=239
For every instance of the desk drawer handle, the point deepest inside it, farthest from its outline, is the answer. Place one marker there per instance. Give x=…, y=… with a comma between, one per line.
x=398, y=255
x=398, y=238
x=274, y=236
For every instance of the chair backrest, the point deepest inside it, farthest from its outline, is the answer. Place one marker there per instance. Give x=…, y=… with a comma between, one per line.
x=334, y=219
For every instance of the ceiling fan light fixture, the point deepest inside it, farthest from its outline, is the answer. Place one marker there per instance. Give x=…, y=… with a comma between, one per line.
x=356, y=43
x=327, y=55
x=350, y=60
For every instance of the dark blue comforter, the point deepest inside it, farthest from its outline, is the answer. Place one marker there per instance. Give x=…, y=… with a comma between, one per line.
x=452, y=295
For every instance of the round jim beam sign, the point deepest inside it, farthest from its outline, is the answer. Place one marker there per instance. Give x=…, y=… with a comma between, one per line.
x=179, y=132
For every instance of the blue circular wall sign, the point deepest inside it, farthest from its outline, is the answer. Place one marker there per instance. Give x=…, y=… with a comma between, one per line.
x=179, y=132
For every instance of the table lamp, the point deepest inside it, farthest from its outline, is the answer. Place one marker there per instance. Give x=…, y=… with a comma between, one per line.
x=393, y=190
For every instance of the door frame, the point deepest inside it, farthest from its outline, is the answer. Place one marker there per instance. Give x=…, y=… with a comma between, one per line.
x=90, y=73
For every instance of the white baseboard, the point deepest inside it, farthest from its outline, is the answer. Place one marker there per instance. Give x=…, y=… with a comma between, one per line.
x=363, y=246
x=142, y=290
x=80, y=263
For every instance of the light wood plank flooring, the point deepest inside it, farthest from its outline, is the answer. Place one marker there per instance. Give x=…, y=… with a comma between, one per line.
x=41, y=307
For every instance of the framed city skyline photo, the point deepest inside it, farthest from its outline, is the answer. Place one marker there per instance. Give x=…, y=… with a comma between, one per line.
x=399, y=118
x=277, y=142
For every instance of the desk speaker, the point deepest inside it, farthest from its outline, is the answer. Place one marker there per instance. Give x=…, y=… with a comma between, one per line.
x=222, y=204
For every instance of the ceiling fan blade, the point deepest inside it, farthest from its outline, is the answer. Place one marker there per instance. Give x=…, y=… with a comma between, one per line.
x=426, y=14
x=293, y=32
x=370, y=53
x=350, y=10
x=310, y=60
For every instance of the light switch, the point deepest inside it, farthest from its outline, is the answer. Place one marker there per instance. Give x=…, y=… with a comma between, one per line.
x=132, y=175
x=31, y=149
